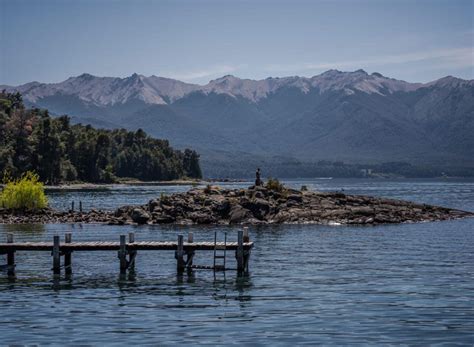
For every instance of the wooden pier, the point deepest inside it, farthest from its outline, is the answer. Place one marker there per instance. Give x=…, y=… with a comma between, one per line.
x=127, y=251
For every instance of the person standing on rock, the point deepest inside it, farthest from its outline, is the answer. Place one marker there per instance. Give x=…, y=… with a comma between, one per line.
x=258, y=181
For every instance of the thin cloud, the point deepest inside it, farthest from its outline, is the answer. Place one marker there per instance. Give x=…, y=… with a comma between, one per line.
x=456, y=58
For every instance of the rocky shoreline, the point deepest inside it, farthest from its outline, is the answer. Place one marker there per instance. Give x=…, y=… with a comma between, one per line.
x=255, y=205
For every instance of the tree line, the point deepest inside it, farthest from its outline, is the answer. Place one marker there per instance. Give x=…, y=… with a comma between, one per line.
x=32, y=140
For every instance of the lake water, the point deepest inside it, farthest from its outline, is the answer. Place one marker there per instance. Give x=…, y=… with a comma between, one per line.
x=334, y=285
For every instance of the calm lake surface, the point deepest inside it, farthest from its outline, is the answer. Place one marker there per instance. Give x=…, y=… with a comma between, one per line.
x=333, y=285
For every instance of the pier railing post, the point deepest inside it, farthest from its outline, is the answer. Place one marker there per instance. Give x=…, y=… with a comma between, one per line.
x=179, y=255
x=68, y=255
x=10, y=257
x=190, y=253
x=56, y=256
x=246, y=238
x=239, y=253
x=122, y=255
x=131, y=254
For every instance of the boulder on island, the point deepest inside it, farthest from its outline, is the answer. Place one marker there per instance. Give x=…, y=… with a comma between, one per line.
x=140, y=216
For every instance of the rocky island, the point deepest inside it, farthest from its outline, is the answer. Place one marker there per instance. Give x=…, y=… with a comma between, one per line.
x=254, y=205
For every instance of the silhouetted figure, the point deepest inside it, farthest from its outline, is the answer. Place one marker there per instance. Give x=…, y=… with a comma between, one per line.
x=258, y=181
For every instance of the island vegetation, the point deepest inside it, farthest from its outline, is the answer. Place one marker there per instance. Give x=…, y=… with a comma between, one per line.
x=32, y=140
x=24, y=193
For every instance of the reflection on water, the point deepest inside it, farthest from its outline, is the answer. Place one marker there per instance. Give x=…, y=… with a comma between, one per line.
x=399, y=284
x=24, y=230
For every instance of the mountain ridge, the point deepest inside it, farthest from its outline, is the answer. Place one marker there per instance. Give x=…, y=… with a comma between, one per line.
x=162, y=90
x=354, y=117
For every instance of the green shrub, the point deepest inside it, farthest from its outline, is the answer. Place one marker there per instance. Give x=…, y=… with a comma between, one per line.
x=26, y=192
x=275, y=185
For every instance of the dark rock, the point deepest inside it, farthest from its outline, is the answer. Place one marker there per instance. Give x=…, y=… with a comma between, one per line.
x=262, y=190
x=153, y=204
x=124, y=210
x=363, y=210
x=164, y=219
x=275, y=195
x=140, y=216
x=238, y=214
x=282, y=217
x=202, y=218
x=334, y=213
x=258, y=207
x=222, y=207
x=209, y=202
x=292, y=203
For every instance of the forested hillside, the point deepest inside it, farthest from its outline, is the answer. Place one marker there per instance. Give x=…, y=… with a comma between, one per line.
x=32, y=140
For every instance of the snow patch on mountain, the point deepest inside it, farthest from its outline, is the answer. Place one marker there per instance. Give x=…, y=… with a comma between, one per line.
x=106, y=91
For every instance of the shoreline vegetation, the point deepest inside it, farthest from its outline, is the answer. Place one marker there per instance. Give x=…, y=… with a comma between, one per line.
x=256, y=205
x=58, y=151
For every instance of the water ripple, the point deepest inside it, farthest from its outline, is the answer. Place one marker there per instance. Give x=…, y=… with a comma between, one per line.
x=405, y=284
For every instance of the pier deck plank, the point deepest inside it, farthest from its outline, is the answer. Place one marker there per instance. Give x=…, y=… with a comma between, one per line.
x=111, y=246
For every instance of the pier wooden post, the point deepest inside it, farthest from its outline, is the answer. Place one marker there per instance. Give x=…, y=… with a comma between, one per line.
x=190, y=253
x=10, y=257
x=72, y=206
x=131, y=254
x=68, y=255
x=179, y=255
x=239, y=253
x=246, y=238
x=122, y=254
x=56, y=256
x=80, y=206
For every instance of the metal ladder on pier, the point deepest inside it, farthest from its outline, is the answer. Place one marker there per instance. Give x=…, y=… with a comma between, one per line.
x=220, y=253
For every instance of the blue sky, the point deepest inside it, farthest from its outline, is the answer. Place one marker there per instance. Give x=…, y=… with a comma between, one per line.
x=197, y=41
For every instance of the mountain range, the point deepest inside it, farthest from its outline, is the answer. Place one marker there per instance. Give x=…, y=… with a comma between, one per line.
x=355, y=117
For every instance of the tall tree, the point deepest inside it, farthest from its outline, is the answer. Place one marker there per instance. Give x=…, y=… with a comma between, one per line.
x=48, y=150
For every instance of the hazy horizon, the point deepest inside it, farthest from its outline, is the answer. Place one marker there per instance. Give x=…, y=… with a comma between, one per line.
x=196, y=42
